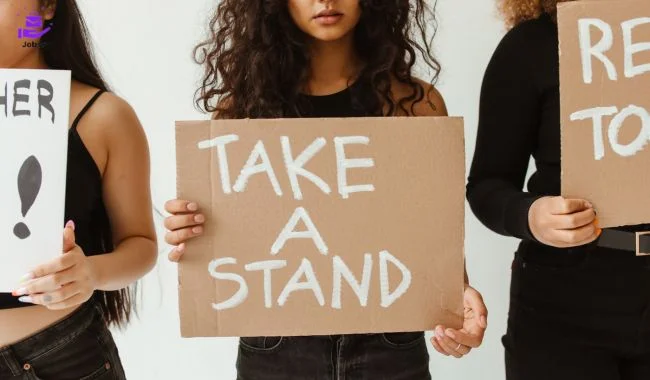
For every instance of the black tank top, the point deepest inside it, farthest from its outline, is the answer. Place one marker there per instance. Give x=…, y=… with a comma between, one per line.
x=358, y=100
x=83, y=202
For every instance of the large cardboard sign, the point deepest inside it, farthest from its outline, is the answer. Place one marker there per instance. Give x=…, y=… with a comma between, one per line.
x=34, y=111
x=605, y=92
x=322, y=226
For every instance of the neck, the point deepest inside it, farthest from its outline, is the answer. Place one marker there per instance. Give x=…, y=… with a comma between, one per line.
x=333, y=66
x=33, y=60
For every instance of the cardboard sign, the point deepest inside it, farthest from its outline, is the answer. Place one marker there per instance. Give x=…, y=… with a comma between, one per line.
x=322, y=226
x=34, y=111
x=605, y=92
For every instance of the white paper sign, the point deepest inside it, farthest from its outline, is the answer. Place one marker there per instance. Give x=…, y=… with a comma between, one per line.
x=34, y=113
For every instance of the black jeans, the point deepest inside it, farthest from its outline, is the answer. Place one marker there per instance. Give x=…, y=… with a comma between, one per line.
x=578, y=314
x=79, y=347
x=400, y=356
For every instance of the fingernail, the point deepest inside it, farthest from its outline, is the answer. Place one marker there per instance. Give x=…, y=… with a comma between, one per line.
x=451, y=334
x=27, y=277
x=70, y=224
x=19, y=292
x=590, y=205
x=192, y=206
x=26, y=299
x=181, y=247
x=197, y=230
x=439, y=332
x=199, y=218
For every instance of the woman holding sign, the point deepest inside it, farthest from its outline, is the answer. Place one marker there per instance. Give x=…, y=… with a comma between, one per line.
x=314, y=58
x=578, y=303
x=55, y=324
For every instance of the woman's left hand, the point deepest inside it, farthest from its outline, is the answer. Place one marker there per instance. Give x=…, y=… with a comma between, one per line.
x=67, y=281
x=458, y=343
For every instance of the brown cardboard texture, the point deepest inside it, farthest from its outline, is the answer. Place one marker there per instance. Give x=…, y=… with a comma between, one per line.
x=322, y=226
x=605, y=88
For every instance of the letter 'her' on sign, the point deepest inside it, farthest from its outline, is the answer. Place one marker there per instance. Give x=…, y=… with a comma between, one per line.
x=24, y=94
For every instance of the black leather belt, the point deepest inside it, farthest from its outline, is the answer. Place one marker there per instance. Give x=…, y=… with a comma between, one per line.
x=638, y=242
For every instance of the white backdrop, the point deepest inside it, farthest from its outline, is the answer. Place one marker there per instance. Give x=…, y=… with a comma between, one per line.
x=144, y=49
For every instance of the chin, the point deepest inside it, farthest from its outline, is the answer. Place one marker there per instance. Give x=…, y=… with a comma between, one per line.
x=329, y=35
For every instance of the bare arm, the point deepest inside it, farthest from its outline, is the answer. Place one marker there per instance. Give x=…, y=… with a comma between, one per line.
x=119, y=147
x=127, y=197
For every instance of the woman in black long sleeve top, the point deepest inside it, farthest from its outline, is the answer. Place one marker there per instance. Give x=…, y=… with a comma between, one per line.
x=579, y=295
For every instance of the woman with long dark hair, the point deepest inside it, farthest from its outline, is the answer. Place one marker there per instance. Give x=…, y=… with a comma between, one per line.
x=315, y=58
x=55, y=324
x=579, y=298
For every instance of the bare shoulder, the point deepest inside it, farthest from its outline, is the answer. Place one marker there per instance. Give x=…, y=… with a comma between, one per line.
x=224, y=103
x=432, y=104
x=113, y=119
x=114, y=115
x=108, y=114
x=109, y=125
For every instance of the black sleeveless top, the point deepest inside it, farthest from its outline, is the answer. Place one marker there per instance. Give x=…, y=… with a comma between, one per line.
x=358, y=100
x=83, y=202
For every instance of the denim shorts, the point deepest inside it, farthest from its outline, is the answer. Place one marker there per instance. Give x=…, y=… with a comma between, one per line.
x=80, y=347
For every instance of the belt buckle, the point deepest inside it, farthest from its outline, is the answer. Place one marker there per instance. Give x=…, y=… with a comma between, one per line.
x=638, y=237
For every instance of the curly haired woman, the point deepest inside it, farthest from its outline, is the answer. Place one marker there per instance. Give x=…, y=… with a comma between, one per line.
x=318, y=58
x=579, y=295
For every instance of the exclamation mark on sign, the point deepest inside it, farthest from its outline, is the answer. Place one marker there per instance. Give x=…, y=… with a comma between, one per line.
x=29, y=184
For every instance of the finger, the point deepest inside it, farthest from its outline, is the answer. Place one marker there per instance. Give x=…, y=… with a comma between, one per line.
x=451, y=347
x=58, y=264
x=477, y=304
x=573, y=221
x=590, y=239
x=75, y=300
x=179, y=206
x=437, y=346
x=177, y=222
x=57, y=296
x=177, y=253
x=48, y=283
x=582, y=235
x=480, y=310
x=447, y=343
x=569, y=206
x=464, y=338
x=180, y=236
x=69, y=237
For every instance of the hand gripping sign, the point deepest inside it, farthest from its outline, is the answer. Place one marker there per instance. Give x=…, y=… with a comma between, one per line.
x=34, y=109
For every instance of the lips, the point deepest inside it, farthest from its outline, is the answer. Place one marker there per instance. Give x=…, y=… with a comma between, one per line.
x=328, y=17
x=328, y=13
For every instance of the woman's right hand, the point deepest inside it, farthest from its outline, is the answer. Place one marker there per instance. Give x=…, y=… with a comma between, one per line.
x=185, y=223
x=563, y=223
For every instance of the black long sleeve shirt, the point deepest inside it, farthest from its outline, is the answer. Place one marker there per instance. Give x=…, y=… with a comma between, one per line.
x=519, y=117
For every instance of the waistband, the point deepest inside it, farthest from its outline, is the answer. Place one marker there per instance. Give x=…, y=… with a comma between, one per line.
x=593, y=253
x=13, y=357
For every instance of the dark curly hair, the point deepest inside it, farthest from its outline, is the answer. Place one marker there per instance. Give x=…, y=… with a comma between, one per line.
x=256, y=58
x=517, y=11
